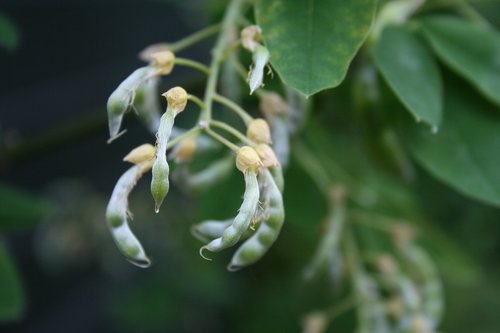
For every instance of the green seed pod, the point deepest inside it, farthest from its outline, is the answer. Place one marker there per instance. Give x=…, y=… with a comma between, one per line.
x=277, y=173
x=267, y=233
x=209, y=230
x=147, y=104
x=280, y=136
x=117, y=216
x=159, y=182
x=260, y=59
x=205, y=179
x=233, y=233
x=122, y=99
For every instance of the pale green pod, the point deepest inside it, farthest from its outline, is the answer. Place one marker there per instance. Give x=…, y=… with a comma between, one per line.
x=147, y=104
x=209, y=230
x=122, y=99
x=267, y=233
x=117, y=218
x=277, y=173
x=281, y=138
x=241, y=222
x=206, y=178
x=260, y=59
x=159, y=182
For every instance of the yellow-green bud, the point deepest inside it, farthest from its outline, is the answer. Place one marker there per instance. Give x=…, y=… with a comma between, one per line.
x=146, y=53
x=164, y=61
x=250, y=37
x=184, y=150
x=141, y=154
x=267, y=155
x=177, y=99
x=258, y=131
x=247, y=158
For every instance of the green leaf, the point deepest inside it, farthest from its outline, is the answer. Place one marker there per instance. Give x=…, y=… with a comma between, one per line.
x=312, y=42
x=465, y=153
x=19, y=209
x=9, y=34
x=11, y=291
x=411, y=72
x=472, y=51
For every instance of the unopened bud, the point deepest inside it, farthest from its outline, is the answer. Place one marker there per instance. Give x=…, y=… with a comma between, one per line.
x=177, y=99
x=386, y=264
x=146, y=53
x=247, y=158
x=250, y=37
x=273, y=104
x=164, y=61
x=258, y=131
x=141, y=154
x=184, y=150
x=267, y=155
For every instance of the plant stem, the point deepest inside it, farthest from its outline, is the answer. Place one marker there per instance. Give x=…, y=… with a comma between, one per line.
x=233, y=107
x=229, y=21
x=193, y=64
x=196, y=101
x=230, y=129
x=194, y=38
x=221, y=139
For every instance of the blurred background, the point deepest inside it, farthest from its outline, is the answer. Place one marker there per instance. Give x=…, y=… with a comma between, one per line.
x=59, y=268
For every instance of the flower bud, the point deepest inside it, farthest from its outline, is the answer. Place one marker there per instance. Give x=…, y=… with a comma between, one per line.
x=145, y=54
x=258, y=131
x=386, y=264
x=250, y=37
x=272, y=104
x=177, y=99
x=184, y=150
x=267, y=155
x=247, y=158
x=141, y=154
x=164, y=61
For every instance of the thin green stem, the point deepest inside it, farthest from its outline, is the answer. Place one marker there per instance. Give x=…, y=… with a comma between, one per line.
x=228, y=23
x=194, y=38
x=196, y=101
x=222, y=140
x=192, y=64
x=233, y=107
x=230, y=129
x=176, y=140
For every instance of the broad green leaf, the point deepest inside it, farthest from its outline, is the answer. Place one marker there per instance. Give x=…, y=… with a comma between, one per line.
x=411, y=72
x=9, y=34
x=465, y=153
x=19, y=209
x=472, y=51
x=312, y=42
x=11, y=292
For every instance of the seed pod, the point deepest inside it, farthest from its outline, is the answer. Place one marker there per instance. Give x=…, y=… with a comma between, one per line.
x=205, y=179
x=258, y=131
x=241, y=222
x=147, y=104
x=277, y=173
x=177, y=99
x=209, y=230
x=267, y=233
x=260, y=59
x=121, y=100
x=117, y=216
x=250, y=37
x=281, y=139
x=247, y=159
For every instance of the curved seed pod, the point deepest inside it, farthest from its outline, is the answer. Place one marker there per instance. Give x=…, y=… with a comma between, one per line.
x=207, y=231
x=121, y=100
x=177, y=99
x=147, y=105
x=277, y=173
x=205, y=179
x=267, y=233
x=117, y=216
x=260, y=59
x=281, y=138
x=233, y=233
